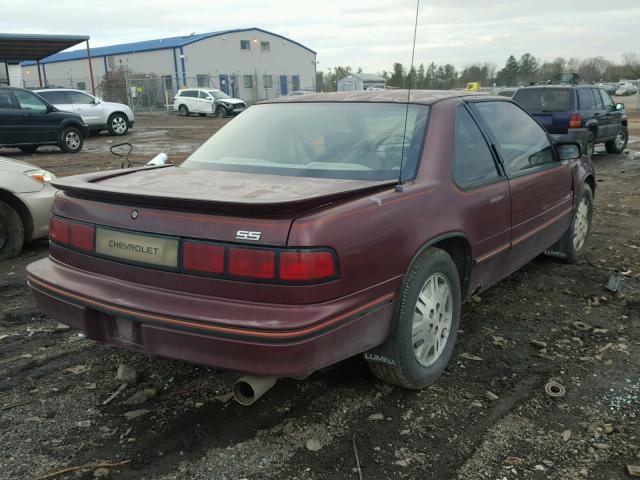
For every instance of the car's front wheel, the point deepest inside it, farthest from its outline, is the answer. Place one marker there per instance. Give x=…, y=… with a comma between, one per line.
x=71, y=140
x=118, y=124
x=618, y=144
x=221, y=112
x=183, y=111
x=426, y=324
x=11, y=232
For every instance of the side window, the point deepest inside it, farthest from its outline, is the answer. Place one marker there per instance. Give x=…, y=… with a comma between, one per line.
x=585, y=99
x=79, y=98
x=522, y=143
x=55, y=97
x=473, y=162
x=5, y=101
x=597, y=99
x=606, y=100
x=204, y=95
x=28, y=101
x=189, y=94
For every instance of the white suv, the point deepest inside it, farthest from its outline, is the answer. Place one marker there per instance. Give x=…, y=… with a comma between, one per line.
x=206, y=100
x=117, y=118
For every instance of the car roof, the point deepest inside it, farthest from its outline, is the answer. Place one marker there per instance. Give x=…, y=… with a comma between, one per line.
x=62, y=89
x=425, y=97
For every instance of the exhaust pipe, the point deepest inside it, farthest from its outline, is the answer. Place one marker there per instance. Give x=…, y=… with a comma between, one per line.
x=248, y=389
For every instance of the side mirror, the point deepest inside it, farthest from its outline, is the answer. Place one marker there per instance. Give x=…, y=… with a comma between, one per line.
x=50, y=108
x=619, y=106
x=569, y=151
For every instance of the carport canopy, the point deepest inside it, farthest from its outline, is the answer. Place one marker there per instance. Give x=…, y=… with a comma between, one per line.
x=16, y=47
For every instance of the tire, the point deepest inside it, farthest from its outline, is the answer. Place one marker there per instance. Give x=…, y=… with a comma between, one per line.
x=71, y=140
x=29, y=148
x=590, y=145
x=118, y=124
x=221, y=112
x=618, y=144
x=183, y=111
x=11, y=232
x=402, y=367
x=576, y=240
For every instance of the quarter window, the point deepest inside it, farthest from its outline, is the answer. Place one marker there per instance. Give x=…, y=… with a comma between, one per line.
x=55, y=97
x=5, y=101
x=28, y=101
x=473, y=163
x=522, y=143
x=245, y=44
x=598, y=100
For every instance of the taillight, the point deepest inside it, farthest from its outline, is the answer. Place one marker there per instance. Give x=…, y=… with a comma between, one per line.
x=575, y=121
x=202, y=257
x=250, y=263
x=59, y=230
x=306, y=266
x=82, y=236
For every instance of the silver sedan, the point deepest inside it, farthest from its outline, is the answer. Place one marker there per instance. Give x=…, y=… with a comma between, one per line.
x=25, y=202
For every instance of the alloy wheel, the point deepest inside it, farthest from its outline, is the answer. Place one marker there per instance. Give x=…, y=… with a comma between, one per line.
x=581, y=225
x=72, y=140
x=621, y=138
x=119, y=124
x=432, y=318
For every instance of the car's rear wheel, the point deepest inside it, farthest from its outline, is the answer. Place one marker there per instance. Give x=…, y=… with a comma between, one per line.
x=183, y=110
x=576, y=240
x=618, y=144
x=118, y=124
x=221, y=112
x=71, y=140
x=11, y=232
x=426, y=324
x=29, y=148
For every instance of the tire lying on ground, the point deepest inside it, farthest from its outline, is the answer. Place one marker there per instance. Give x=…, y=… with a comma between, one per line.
x=11, y=232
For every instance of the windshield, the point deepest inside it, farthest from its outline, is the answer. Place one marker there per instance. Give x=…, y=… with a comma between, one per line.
x=218, y=94
x=545, y=99
x=322, y=140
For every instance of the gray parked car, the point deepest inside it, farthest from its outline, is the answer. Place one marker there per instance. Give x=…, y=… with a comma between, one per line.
x=117, y=118
x=25, y=201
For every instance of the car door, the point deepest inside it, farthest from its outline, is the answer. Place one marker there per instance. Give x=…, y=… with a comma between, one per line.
x=205, y=102
x=10, y=131
x=541, y=186
x=38, y=125
x=604, y=120
x=85, y=105
x=614, y=117
x=191, y=100
x=484, y=188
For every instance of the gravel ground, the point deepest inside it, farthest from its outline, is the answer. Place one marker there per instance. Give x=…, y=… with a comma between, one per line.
x=488, y=417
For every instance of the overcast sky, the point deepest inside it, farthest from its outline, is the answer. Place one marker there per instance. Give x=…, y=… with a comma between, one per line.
x=371, y=34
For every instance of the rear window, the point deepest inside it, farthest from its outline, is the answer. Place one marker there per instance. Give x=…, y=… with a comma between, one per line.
x=355, y=141
x=56, y=97
x=545, y=99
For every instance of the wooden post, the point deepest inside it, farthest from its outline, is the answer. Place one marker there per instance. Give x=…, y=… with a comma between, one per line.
x=93, y=86
x=39, y=74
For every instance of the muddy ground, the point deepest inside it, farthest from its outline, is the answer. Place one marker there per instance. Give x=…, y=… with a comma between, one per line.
x=549, y=321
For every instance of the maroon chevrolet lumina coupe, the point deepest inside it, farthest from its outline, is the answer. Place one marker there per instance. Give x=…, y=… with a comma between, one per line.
x=313, y=228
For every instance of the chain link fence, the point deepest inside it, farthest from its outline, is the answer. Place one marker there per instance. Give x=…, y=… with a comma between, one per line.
x=152, y=92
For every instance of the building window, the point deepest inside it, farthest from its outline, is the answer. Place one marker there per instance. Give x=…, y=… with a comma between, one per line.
x=203, y=80
x=265, y=46
x=168, y=82
x=268, y=81
x=247, y=81
x=245, y=44
x=81, y=85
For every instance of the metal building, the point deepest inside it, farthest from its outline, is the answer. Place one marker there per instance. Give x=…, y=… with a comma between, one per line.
x=361, y=81
x=252, y=64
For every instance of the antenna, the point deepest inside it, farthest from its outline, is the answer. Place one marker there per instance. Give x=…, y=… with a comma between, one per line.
x=406, y=113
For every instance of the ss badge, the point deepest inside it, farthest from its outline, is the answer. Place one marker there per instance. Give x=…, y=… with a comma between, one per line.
x=247, y=235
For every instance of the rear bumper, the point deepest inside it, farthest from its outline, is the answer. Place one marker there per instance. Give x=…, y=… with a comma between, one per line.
x=248, y=337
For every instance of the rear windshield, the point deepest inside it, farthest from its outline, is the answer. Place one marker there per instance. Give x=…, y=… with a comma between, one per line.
x=367, y=141
x=545, y=99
